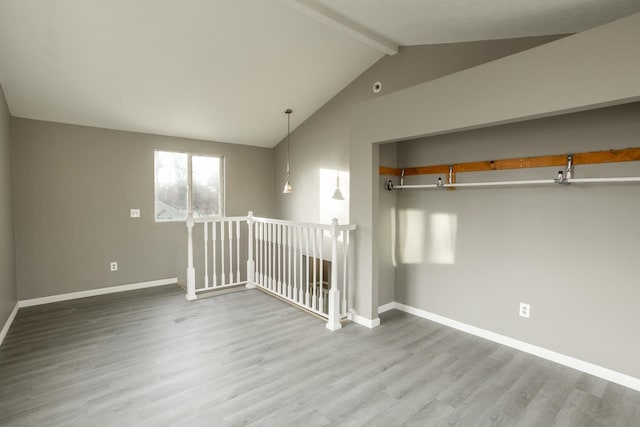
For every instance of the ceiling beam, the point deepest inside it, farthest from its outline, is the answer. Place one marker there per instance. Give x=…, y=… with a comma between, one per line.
x=338, y=22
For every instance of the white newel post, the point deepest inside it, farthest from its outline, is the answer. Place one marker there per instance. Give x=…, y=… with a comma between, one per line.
x=191, y=272
x=251, y=265
x=334, y=294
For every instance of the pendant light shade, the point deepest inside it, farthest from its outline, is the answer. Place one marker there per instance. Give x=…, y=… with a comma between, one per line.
x=288, y=188
x=337, y=195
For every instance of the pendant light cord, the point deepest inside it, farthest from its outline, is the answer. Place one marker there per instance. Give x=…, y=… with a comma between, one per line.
x=287, y=185
x=288, y=112
x=288, y=141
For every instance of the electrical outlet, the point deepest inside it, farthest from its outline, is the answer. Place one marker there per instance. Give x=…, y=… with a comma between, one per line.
x=525, y=310
x=113, y=266
x=135, y=213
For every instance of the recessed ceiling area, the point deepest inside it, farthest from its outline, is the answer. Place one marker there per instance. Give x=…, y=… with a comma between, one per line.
x=226, y=70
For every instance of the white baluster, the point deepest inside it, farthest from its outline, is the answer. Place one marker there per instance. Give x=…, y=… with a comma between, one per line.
x=283, y=264
x=278, y=256
x=206, y=259
x=222, y=276
x=321, y=287
x=263, y=268
x=334, y=294
x=289, y=243
x=258, y=253
x=265, y=253
x=272, y=250
x=265, y=260
x=251, y=264
x=214, y=226
x=315, y=267
x=296, y=294
x=345, y=270
x=283, y=259
x=191, y=272
x=283, y=276
x=230, y=251
x=255, y=232
x=300, y=278
x=238, y=251
x=269, y=255
x=306, y=279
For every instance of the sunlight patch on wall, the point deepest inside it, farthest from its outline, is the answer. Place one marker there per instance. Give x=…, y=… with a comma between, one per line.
x=442, y=248
x=410, y=233
x=330, y=180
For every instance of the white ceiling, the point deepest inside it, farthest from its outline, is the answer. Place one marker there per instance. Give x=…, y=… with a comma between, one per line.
x=225, y=70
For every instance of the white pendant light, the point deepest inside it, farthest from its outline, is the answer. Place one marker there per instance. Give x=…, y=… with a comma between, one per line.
x=288, y=188
x=337, y=195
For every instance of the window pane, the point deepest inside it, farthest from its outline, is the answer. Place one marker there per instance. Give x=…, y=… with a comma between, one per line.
x=206, y=186
x=171, y=176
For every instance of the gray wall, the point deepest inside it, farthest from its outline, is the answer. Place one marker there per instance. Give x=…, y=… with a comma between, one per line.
x=74, y=187
x=569, y=251
x=592, y=69
x=323, y=141
x=387, y=229
x=8, y=290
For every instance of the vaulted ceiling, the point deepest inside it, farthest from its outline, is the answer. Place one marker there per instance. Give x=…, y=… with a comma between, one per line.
x=225, y=70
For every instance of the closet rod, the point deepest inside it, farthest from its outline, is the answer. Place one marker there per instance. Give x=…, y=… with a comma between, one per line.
x=390, y=185
x=604, y=180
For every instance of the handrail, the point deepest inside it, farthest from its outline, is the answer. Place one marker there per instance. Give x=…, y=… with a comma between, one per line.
x=220, y=218
x=317, y=226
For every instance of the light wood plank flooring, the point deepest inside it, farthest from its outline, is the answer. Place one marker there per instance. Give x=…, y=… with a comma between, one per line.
x=150, y=357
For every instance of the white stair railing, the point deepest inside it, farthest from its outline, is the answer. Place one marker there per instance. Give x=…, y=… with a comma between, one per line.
x=290, y=262
x=221, y=251
x=284, y=258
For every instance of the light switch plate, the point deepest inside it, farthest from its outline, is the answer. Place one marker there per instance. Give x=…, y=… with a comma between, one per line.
x=135, y=213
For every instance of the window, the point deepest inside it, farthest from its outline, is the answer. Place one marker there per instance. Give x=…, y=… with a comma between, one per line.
x=173, y=194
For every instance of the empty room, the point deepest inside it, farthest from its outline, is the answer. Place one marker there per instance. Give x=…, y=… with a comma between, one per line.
x=319, y=213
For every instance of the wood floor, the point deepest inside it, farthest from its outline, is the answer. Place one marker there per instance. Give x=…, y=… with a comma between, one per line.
x=150, y=357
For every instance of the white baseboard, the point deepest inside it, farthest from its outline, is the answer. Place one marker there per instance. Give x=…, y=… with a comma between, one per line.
x=386, y=307
x=94, y=292
x=571, y=362
x=7, y=324
x=369, y=323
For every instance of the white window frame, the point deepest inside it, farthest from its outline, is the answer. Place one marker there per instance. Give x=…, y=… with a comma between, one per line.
x=221, y=195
